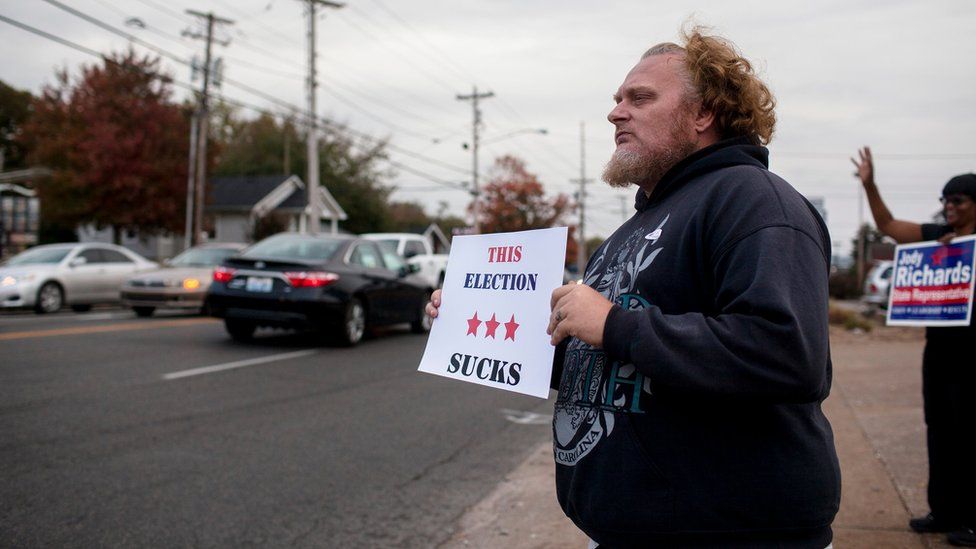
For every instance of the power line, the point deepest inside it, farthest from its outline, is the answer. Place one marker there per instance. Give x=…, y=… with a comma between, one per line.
x=449, y=63
x=290, y=109
x=406, y=59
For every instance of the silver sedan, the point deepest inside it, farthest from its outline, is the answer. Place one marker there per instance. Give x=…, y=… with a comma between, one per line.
x=181, y=284
x=80, y=275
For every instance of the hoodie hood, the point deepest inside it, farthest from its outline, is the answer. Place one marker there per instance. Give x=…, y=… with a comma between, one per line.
x=737, y=151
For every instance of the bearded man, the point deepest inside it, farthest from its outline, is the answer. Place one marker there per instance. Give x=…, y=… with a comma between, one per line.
x=693, y=359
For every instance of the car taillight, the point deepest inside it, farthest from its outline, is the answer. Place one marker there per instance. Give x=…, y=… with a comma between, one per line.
x=311, y=279
x=223, y=274
x=874, y=289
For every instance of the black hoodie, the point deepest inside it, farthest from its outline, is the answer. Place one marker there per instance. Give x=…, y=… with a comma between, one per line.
x=716, y=357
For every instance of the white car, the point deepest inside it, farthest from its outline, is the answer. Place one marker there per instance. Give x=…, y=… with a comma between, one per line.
x=80, y=275
x=877, y=284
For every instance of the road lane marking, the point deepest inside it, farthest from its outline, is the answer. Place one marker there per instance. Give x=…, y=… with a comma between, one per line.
x=125, y=326
x=237, y=364
x=522, y=417
x=102, y=316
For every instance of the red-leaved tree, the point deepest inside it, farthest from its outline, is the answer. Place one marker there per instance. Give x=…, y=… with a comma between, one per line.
x=117, y=145
x=514, y=200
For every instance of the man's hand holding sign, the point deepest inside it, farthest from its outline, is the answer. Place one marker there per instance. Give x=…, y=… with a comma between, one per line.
x=578, y=311
x=493, y=332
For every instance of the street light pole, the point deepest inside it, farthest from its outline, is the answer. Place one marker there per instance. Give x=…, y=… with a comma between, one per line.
x=474, y=97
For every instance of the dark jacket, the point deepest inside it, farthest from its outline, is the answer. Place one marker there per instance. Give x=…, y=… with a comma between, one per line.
x=700, y=423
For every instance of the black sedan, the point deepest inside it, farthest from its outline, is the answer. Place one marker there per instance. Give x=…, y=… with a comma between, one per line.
x=332, y=283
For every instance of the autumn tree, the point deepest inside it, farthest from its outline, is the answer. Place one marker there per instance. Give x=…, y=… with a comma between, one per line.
x=514, y=200
x=15, y=108
x=117, y=145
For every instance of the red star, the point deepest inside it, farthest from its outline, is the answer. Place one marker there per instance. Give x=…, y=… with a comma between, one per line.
x=491, y=325
x=473, y=324
x=510, y=328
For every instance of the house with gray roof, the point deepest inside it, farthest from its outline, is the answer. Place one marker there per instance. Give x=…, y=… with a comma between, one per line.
x=238, y=202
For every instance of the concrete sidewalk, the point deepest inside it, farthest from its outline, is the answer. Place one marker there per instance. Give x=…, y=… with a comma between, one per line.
x=875, y=408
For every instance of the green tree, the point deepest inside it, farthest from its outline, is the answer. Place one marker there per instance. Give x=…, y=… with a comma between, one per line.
x=117, y=145
x=408, y=217
x=15, y=108
x=349, y=168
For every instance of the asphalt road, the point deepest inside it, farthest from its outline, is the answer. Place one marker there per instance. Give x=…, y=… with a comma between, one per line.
x=117, y=431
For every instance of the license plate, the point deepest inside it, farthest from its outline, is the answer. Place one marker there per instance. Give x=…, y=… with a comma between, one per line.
x=259, y=284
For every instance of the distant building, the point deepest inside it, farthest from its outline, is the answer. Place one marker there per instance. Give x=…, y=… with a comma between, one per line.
x=238, y=203
x=20, y=210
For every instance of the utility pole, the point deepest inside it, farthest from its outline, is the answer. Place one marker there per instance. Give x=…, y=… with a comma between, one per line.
x=191, y=180
x=312, y=138
x=476, y=123
x=203, y=117
x=581, y=202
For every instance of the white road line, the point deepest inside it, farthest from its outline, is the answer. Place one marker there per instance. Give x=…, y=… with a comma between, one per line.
x=103, y=316
x=237, y=364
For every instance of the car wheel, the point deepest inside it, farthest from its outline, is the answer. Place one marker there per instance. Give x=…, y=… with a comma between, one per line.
x=423, y=324
x=50, y=298
x=144, y=311
x=353, y=323
x=81, y=308
x=240, y=330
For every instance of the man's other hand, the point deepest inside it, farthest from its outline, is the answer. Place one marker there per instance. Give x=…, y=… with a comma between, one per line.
x=578, y=311
x=433, y=304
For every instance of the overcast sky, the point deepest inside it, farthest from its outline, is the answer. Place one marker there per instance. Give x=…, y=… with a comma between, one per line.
x=897, y=75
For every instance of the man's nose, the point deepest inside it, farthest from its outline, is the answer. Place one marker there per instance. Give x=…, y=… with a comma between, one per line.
x=618, y=114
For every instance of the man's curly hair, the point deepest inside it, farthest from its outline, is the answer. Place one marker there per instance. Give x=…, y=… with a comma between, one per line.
x=726, y=84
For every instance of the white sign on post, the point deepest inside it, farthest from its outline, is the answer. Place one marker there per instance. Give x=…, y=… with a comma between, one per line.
x=491, y=326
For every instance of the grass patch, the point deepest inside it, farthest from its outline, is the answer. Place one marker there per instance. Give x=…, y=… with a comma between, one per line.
x=850, y=320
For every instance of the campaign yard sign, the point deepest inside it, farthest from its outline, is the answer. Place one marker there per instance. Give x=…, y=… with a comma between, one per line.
x=932, y=284
x=491, y=326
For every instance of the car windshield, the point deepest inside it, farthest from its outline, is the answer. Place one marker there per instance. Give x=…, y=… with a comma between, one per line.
x=390, y=256
x=390, y=242
x=294, y=247
x=38, y=255
x=202, y=257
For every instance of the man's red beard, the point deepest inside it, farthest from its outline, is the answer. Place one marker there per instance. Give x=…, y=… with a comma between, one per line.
x=646, y=168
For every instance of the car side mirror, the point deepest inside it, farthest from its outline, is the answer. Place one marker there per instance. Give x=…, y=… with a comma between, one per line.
x=78, y=261
x=407, y=269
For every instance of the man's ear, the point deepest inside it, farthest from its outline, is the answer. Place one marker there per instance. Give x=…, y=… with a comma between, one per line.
x=704, y=120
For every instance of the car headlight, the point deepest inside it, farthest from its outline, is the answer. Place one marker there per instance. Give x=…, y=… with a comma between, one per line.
x=191, y=284
x=14, y=280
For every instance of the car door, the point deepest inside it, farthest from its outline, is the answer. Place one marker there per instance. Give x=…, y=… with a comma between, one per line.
x=83, y=276
x=118, y=267
x=365, y=257
x=406, y=298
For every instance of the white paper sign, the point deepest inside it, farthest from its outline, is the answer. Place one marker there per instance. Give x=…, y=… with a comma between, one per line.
x=491, y=326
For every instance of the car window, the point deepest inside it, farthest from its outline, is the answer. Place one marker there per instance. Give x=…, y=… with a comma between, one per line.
x=414, y=248
x=203, y=257
x=294, y=247
x=92, y=255
x=38, y=255
x=112, y=256
x=887, y=273
x=390, y=256
x=366, y=256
